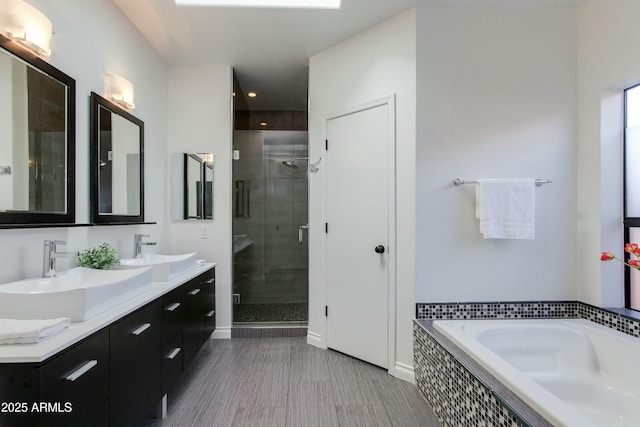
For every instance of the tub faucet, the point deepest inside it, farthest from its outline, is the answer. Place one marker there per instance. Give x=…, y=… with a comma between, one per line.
x=138, y=244
x=49, y=256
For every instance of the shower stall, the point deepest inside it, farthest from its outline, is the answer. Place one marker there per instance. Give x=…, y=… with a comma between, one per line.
x=270, y=216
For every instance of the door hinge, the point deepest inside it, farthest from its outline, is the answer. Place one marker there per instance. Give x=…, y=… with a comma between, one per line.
x=326, y=311
x=326, y=145
x=326, y=228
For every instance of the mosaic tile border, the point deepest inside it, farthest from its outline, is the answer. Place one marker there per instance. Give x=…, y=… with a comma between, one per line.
x=461, y=396
x=621, y=320
x=497, y=310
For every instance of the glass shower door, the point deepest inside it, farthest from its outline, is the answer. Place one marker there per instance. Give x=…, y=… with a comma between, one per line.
x=270, y=282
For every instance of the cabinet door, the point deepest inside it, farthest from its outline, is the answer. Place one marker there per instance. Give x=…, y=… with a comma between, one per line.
x=75, y=383
x=135, y=381
x=172, y=315
x=209, y=302
x=18, y=391
x=171, y=363
x=193, y=325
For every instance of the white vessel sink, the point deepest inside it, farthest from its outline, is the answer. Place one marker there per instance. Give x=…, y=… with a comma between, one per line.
x=164, y=267
x=79, y=293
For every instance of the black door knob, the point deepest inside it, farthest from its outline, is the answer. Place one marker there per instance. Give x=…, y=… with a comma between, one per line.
x=379, y=249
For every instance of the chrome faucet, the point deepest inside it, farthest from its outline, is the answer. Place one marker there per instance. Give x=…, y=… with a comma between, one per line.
x=138, y=244
x=49, y=256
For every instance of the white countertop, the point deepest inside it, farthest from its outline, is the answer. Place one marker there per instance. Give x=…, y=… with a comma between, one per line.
x=33, y=353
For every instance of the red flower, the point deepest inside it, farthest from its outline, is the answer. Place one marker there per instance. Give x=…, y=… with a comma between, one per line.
x=606, y=256
x=634, y=263
x=632, y=248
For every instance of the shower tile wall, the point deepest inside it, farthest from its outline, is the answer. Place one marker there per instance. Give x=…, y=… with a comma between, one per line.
x=274, y=269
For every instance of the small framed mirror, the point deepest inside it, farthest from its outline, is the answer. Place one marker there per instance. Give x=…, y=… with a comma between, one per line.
x=117, y=164
x=192, y=186
x=37, y=140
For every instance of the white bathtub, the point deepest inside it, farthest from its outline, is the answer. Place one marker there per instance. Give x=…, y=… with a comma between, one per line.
x=573, y=372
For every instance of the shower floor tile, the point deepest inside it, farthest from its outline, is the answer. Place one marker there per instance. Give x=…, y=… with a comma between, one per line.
x=271, y=313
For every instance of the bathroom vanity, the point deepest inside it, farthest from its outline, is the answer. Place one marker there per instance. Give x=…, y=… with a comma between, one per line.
x=115, y=368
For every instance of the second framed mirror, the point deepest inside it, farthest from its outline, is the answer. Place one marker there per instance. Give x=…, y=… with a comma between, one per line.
x=117, y=164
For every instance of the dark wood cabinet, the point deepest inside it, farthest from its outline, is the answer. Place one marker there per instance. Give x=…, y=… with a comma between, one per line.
x=117, y=376
x=67, y=390
x=209, y=296
x=135, y=381
x=172, y=314
x=199, y=316
x=192, y=326
x=77, y=382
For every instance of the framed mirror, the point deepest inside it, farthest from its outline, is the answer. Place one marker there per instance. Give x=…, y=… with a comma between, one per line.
x=192, y=186
x=37, y=140
x=117, y=164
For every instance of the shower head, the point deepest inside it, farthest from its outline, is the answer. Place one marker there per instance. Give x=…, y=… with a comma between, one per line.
x=291, y=163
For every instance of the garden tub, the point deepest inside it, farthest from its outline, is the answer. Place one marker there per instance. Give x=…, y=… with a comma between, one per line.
x=573, y=372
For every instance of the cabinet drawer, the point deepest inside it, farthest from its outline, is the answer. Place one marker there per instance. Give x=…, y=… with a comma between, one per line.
x=171, y=363
x=172, y=312
x=208, y=283
x=75, y=383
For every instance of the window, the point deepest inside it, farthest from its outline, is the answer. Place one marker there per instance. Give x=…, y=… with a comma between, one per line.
x=631, y=189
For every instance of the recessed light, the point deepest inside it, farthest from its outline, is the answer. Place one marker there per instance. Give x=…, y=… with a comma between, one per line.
x=252, y=94
x=297, y=4
x=263, y=123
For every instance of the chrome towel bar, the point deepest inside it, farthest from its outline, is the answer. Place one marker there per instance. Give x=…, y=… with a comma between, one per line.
x=539, y=182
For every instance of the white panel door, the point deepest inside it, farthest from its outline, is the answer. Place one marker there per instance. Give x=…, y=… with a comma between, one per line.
x=357, y=212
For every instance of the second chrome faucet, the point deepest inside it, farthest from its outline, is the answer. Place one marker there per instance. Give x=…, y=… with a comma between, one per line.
x=138, y=244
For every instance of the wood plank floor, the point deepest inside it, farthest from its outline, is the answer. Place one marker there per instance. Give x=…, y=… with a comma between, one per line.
x=286, y=382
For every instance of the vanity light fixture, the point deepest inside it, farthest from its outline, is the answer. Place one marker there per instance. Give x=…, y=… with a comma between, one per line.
x=26, y=25
x=297, y=4
x=119, y=90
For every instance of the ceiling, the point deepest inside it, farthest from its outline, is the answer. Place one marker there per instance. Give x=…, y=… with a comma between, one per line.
x=268, y=48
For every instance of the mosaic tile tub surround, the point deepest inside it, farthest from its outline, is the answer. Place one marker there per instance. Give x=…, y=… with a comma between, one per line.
x=459, y=390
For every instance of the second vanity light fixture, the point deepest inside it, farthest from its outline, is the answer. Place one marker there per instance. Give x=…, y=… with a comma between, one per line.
x=26, y=25
x=119, y=90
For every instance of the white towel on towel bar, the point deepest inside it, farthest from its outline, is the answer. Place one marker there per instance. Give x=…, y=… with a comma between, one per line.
x=13, y=331
x=506, y=208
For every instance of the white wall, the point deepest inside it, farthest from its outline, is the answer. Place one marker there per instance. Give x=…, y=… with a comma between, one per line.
x=93, y=38
x=608, y=63
x=375, y=64
x=496, y=99
x=200, y=121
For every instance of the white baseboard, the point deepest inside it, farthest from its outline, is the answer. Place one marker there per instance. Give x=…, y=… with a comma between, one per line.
x=223, y=333
x=315, y=340
x=405, y=372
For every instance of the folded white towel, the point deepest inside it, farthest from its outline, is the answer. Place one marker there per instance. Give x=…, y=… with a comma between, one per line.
x=506, y=208
x=13, y=331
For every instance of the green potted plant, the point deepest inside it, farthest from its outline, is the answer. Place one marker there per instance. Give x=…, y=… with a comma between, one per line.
x=101, y=257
